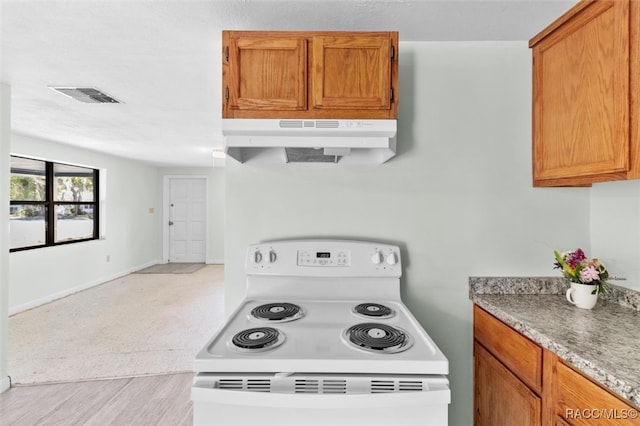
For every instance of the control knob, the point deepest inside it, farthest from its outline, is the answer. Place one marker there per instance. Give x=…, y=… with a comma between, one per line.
x=271, y=257
x=376, y=258
x=257, y=256
x=392, y=259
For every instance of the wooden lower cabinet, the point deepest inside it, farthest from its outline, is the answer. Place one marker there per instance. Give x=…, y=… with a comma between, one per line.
x=507, y=392
x=500, y=397
x=579, y=401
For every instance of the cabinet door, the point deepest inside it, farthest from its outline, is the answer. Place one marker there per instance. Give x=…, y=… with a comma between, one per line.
x=500, y=399
x=583, y=403
x=581, y=96
x=352, y=72
x=266, y=72
x=519, y=354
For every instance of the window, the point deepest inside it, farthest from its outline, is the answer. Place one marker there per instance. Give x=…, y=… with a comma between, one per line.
x=51, y=204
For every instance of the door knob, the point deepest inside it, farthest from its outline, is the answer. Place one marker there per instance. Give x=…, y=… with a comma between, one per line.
x=170, y=222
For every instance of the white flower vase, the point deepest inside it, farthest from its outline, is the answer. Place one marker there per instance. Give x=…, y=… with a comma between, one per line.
x=581, y=295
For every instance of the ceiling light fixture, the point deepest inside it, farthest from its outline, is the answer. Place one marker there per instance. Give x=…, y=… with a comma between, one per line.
x=219, y=153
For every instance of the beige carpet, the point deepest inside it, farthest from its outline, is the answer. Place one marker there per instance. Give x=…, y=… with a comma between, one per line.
x=172, y=268
x=139, y=324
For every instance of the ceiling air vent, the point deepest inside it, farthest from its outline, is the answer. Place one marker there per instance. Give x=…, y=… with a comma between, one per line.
x=87, y=95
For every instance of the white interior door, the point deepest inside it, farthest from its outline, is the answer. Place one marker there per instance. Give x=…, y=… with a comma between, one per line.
x=187, y=220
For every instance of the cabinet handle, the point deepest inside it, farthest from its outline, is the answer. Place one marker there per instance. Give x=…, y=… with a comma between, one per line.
x=391, y=99
x=226, y=94
x=226, y=54
x=393, y=53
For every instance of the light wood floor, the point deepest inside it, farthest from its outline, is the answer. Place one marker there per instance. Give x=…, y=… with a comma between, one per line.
x=151, y=400
x=137, y=325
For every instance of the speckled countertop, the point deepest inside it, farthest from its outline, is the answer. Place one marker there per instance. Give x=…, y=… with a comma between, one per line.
x=603, y=343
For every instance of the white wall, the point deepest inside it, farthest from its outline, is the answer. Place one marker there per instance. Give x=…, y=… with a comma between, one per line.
x=457, y=198
x=615, y=229
x=5, y=145
x=131, y=236
x=215, y=206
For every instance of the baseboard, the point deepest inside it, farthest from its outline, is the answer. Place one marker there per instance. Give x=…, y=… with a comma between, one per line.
x=215, y=262
x=144, y=265
x=50, y=298
x=5, y=384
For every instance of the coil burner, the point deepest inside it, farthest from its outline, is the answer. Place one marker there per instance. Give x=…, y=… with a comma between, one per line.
x=374, y=310
x=280, y=312
x=378, y=338
x=257, y=339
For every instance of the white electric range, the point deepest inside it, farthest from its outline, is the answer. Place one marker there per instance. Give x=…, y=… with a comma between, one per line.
x=322, y=338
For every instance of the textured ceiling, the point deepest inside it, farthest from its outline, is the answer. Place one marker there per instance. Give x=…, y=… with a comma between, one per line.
x=162, y=60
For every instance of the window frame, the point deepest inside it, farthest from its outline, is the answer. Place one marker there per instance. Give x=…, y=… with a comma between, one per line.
x=49, y=204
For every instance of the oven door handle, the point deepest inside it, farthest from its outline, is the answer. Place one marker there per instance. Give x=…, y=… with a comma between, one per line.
x=205, y=392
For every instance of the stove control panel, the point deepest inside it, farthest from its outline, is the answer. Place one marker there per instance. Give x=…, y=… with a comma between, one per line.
x=324, y=258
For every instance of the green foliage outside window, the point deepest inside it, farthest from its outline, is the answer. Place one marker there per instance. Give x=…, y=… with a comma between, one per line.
x=27, y=188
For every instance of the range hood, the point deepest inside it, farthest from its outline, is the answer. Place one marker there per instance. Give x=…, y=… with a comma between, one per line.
x=309, y=141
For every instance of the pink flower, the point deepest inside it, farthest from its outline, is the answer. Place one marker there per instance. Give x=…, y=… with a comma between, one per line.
x=589, y=274
x=575, y=258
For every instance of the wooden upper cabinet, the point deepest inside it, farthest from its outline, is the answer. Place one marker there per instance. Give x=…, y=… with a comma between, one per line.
x=294, y=74
x=582, y=65
x=352, y=72
x=266, y=73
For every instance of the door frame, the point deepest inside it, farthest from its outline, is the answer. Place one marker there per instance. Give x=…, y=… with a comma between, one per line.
x=166, y=195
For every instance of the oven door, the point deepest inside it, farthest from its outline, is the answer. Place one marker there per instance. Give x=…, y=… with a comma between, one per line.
x=216, y=402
